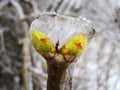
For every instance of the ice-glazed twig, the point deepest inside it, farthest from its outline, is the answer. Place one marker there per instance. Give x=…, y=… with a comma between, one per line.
x=60, y=40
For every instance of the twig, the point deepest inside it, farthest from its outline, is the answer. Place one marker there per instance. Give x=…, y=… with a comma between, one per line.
x=26, y=54
x=8, y=70
x=3, y=4
x=58, y=6
x=2, y=41
x=60, y=65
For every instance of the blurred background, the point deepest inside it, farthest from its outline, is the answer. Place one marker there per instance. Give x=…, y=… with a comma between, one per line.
x=22, y=68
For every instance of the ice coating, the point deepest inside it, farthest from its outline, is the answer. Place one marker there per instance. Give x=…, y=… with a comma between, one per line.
x=62, y=28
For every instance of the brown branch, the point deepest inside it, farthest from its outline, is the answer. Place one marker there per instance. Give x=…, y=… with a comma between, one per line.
x=56, y=75
x=59, y=73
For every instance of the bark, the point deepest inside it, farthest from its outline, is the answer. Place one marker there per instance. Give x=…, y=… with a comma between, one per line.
x=56, y=77
x=59, y=77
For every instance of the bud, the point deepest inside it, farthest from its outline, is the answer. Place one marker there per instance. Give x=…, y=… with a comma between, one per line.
x=42, y=43
x=75, y=46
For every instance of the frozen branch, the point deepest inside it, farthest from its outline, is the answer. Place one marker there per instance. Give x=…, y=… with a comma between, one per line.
x=59, y=29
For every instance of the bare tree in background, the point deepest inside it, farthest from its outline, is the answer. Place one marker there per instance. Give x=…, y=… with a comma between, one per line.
x=98, y=69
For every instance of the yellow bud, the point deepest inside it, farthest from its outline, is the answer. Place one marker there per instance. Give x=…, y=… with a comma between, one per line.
x=75, y=46
x=42, y=43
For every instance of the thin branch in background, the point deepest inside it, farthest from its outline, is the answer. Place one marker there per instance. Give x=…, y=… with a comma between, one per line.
x=35, y=7
x=6, y=69
x=108, y=68
x=62, y=8
x=36, y=72
x=2, y=41
x=58, y=6
x=114, y=44
x=3, y=4
x=117, y=80
x=99, y=75
x=26, y=54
